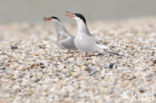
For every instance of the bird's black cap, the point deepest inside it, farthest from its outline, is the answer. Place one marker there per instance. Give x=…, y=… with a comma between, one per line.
x=80, y=16
x=54, y=17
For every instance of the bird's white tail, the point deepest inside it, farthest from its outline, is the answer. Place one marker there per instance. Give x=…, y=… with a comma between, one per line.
x=104, y=47
x=107, y=49
x=97, y=29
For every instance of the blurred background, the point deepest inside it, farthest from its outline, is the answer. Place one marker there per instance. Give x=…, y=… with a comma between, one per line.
x=34, y=10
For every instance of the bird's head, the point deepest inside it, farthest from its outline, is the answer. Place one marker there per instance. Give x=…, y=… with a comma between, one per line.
x=77, y=16
x=53, y=18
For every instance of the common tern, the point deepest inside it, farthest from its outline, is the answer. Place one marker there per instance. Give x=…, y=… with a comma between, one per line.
x=65, y=39
x=84, y=40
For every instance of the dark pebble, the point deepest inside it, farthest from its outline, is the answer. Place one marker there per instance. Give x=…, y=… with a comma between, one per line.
x=102, y=77
x=14, y=47
x=42, y=65
x=37, y=80
x=2, y=70
x=142, y=90
x=93, y=72
x=21, y=75
x=154, y=61
x=88, y=69
x=111, y=65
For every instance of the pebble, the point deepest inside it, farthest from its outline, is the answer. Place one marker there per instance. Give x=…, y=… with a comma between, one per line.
x=111, y=65
x=142, y=90
x=42, y=65
x=14, y=47
x=128, y=76
x=154, y=61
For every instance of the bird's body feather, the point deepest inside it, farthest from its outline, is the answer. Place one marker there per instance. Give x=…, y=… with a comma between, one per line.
x=87, y=43
x=68, y=43
x=84, y=39
x=65, y=39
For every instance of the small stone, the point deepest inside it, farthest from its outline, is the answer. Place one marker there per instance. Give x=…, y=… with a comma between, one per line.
x=151, y=76
x=93, y=72
x=32, y=66
x=88, y=69
x=42, y=65
x=142, y=90
x=36, y=54
x=154, y=62
x=111, y=65
x=102, y=77
x=14, y=47
x=37, y=80
x=2, y=70
x=7, y=65
x=23, y=69
x=128, y=76
x=21, y=75
x=42, y=46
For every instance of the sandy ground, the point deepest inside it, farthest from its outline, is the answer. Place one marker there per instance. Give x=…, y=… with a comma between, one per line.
x=33, y=69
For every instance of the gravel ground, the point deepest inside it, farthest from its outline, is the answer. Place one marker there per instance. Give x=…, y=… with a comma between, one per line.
x=33, y=69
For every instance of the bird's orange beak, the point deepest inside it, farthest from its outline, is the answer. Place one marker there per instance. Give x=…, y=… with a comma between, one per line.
x=47, y=19
x=70, y=14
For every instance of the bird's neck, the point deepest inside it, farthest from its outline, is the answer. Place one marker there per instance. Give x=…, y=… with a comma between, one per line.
x=57, y=24
x=59, y=27
x=82, y=28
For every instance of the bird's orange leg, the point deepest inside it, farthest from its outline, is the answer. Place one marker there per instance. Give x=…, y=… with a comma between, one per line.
x=69, y=51
x=83, y=56
x=86, y=53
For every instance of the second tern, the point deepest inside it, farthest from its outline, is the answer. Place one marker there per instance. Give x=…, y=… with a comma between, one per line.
x=63, y=37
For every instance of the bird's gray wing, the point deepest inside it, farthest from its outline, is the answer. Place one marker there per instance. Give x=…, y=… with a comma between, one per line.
x=68, y=43
x=62, y=33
